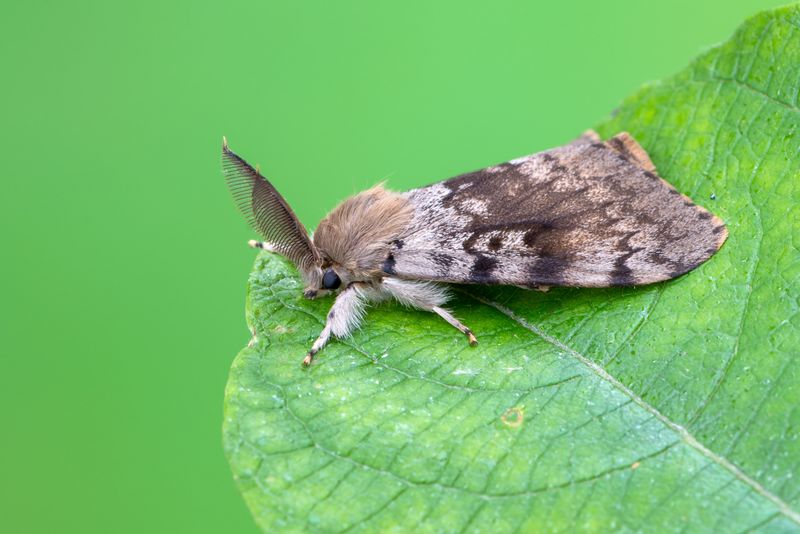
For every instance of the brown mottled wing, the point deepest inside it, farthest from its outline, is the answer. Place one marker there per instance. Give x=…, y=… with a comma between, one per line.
x=266, y=211
x=588, y=214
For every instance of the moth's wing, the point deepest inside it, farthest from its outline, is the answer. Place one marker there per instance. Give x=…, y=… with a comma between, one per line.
x=587, y=137
x=266, y=210
x=588, y=214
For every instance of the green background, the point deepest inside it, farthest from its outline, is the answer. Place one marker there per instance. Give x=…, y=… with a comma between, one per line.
x=125, y=261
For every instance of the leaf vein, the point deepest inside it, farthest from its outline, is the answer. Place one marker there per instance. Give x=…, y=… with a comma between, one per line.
x=684, y=434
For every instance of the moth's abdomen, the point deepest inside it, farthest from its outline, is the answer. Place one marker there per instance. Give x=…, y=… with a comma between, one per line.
x=588, y=214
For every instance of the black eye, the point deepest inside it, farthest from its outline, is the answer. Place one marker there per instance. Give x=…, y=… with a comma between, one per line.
x=331, y=280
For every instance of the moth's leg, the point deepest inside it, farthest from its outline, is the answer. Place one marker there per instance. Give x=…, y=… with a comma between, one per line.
x=447, y=316
x=261, y=244
x=321, y=341
x=253, y=338
x=425, y=296
x=543, y=289
x=345, y=315
x=312, y=293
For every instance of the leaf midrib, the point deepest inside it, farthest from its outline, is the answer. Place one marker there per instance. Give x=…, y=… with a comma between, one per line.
x=682, y=432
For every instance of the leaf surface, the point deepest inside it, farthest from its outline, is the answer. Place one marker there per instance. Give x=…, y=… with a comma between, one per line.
x=669, y=407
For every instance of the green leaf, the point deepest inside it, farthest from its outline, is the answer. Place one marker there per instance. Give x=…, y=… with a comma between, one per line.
x=668, y=407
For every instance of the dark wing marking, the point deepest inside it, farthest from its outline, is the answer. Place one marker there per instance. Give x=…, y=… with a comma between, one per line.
x=588, y=214
x=626, y=145
x=266, y=210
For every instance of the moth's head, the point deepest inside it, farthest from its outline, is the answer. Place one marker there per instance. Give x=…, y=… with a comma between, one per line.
x=353, y=240
x=328, y=277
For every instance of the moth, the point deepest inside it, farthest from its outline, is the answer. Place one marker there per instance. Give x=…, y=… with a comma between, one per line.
x=590, y=213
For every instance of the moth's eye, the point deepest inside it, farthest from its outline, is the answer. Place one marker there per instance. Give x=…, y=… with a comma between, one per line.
x=331, y=280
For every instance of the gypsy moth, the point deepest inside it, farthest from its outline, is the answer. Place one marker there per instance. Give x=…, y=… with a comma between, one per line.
x=586, y=214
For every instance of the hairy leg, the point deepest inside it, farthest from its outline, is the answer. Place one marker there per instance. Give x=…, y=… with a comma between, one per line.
x=345, y=315
x=447, y=316
x=425, y=296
